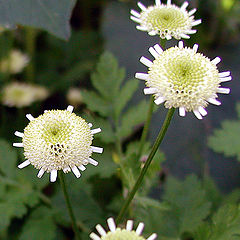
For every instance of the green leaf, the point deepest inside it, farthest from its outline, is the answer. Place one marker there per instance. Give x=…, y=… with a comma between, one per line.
x=108, y=76
x=8, y=159
x=133, y=117
x=150, y=202
x=125, y=95
x=96, y=103
x=39, y=225
x=52, y=15
x=226, y=139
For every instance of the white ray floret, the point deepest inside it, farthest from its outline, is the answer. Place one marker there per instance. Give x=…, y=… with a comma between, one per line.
x=129, y=225
x=53, y=176
x=159, y=100
x=135, y=19
x=76, y=172
x=97, y=149
x=150, y=90
x=97, y=130
x=214, y=101
x=158, y=48
x=111, y=224
x=146, y=61
x=197, y=22
x=225, y=79
x=19, y=134
x=216, y=60
x=184, y=6
x=141, y=76
x=197, y=114
x=93, y=162
x=153, y=52
x=224, y=74
x=141, y=6
x=195, y=47
x=82, y=168
x=140, y=228
x=101, y=230
x=191, y=12
x=40, y=173
x=24, y=164
x=30, y=117
x=202, y=111
x=182, y=111
x=180, y=44
x=18, y=144
x=70, y=108
x=223, y=90
x=135, y=13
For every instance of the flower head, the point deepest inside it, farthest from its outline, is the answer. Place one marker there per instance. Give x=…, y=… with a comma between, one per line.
x=18, y=94
x=58, y=140
x=183, y=78
x=166, y=20
x=121, y=234
x=14, y=62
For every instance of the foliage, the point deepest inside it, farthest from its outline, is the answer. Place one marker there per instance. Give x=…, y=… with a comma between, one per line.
x=225, y=140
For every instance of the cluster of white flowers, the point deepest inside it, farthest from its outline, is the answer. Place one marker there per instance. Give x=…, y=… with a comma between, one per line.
x=19, y=94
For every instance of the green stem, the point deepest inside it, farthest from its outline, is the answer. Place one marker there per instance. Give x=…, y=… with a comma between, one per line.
x=146, y=165
x=69, y=206
x=30, y=49
x=146, y=127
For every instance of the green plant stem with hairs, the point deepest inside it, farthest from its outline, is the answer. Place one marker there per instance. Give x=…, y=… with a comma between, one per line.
x=146, y=165
x=149, y=115
x=69, y=206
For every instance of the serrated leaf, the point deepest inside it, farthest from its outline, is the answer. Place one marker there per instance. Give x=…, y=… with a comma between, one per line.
x=134, y=116
x=96, y=103
x=8, y=159
x=39, y=225
x=52, y=15
x=125, y=95
x=108, y=76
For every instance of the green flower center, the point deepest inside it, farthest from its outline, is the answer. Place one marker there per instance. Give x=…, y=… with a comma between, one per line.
x=122, y=234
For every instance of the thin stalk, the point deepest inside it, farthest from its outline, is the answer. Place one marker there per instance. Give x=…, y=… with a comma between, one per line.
x=146, y=165
x=149, y=114
x=69, y=206
x=30, y=49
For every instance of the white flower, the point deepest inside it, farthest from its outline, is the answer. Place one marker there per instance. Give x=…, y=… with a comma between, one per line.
x=183, y=78
x=120, y=234
x=14, y=62
x=58, y=140
x=74, y=96
x=18, y=94
x=166, y=20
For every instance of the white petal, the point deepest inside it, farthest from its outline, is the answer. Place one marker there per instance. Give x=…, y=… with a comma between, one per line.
x=225, y=79
x=76, y=172
x=191, y=12
x=24, y=164
x=139, y=228
x=141, y=6
x=40, y=173
x=152, y=237
x=29, y=117
x=196, y=22
x=129, y=225
x=150, y=90
x=141, y=28
x=111, y=225
x=202, y=111
x=197, y=114
x=180, y=44
x=141, y=76
x=184, y=36
x=168, y=2
x=94, y=236
x=53, y=176
x=146, y=61
x=152, y=33
x=153, y=52
x=214, y=101
x=216, y=60
x=168, y=37
x=92, y=161
x=184, y=6
x=67, y=169
x=223, y=90
x=19, y=134
x=97, y=149
x=224, y=74
x=195, y=47
x=182, y=111
x=70, y=108
x=137, y=20
x=158, y=2
x=18, y=144
x=81, y=167
x=97, y=130
x=90, y=125
x=159, y=100
x=158, y=48
x=101, y=230
x=191, y=31
x=135, y=13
